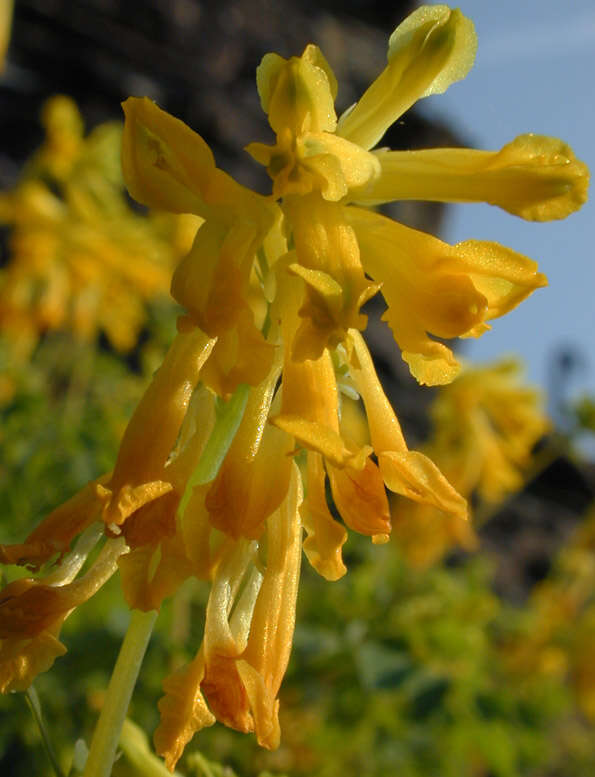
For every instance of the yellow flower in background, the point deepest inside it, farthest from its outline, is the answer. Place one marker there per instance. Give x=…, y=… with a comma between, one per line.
x=80, y=258
x=6, y=8
x=486, y=424
x=226, y=461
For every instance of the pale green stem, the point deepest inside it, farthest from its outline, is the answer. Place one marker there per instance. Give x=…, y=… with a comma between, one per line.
x=226, y=425
x=107, y=732
x=35, y=707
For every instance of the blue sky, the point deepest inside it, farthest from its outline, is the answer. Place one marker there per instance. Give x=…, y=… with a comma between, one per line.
x=534, y=72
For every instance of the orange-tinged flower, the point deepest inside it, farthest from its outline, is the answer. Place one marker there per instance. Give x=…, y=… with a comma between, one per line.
x=32, y=614
x=229, y=452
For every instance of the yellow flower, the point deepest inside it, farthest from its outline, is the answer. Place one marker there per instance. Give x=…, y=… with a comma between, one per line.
x=80, y=258
x=227, y=458
x=5, y=24
x=324, y=170
x=486, y=424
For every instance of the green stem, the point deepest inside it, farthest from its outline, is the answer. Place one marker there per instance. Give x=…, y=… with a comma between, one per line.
x=107, y=732
x=35, y=707
x=226, y=425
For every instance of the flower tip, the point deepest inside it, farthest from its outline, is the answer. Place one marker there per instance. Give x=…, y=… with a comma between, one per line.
x=450, y=38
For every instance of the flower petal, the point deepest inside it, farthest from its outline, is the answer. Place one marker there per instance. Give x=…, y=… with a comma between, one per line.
x=57, y=531
x=298, y=93
x=325, y=243
x=360, y=498
x=183, y=711
x=405, y=472
x=254, y=477
x=21, y=660
x=145, y=447
x=265, y=659
x=325, y=536
x=535, y=177
x=434, y=288
x=434, y=47
x=166, y=165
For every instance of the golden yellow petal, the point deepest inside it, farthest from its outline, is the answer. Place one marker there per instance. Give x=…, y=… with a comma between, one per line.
x=264, y=706
x=535, y=177
x=352, y=166
x=146, y=445
x=310, y=390
x=298, y=93
x=503, y=276
x=434, y=47
x=241, y=355
x=151, y=573
x=325, y=536
x=166, y=165
x=321, y=439
x=434, y=288
x=230, y=608
x=29, y=607
x=326, y=243
x=360, y=498
x=405, y=472
x=254, y=477
x=414, y=475
x=197, y=532
x=385, y=429
x=22, y=659
x=271, y=633
x=183, y=711
x=425, y=290
x=56, y=532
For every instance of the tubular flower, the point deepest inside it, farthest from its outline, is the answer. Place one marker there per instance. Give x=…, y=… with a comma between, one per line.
x=324, y=170
x=226, y=460
x=80, y=258
x=486, y=424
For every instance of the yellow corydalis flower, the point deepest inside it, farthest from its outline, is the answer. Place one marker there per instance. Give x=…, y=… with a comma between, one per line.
x=225, y=463
x=486, y=424
x=80, y=258
x=430, y=287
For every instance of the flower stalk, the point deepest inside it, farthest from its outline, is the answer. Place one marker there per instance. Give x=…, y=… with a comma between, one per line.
x=109, y=726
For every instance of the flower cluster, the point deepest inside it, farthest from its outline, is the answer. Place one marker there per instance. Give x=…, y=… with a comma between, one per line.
x=80, y=258
x=239, y=439
x=486, y=424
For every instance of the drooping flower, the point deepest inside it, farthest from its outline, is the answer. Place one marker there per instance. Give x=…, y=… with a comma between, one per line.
x=228, y=456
